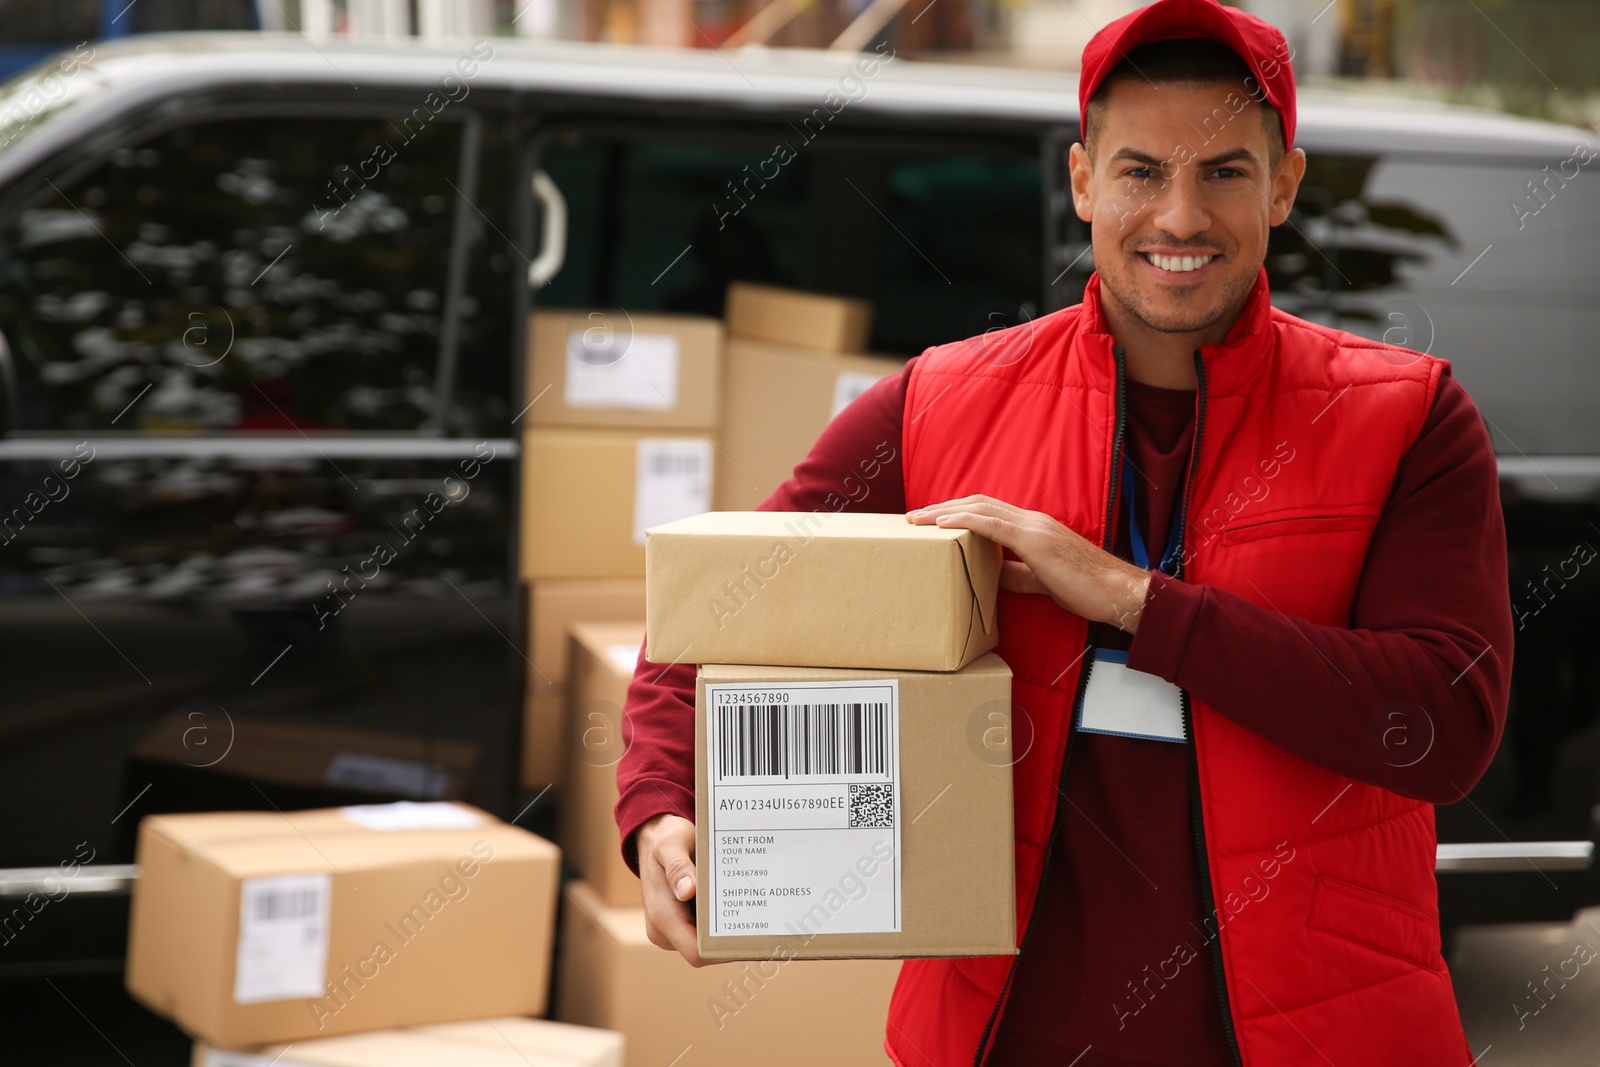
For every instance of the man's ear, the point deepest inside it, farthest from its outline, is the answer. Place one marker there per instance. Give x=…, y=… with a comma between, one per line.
x=1082, y=175
x=1286, y=184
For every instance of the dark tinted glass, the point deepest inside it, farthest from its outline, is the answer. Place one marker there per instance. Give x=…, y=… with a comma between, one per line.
x=495, y=267
x=252, y=274
x=944, y=245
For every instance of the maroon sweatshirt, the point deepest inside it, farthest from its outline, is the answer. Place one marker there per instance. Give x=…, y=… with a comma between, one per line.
x=1431, y=625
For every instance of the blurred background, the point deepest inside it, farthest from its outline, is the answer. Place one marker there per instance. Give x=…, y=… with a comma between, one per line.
x=1532, y=57
x=279, y=281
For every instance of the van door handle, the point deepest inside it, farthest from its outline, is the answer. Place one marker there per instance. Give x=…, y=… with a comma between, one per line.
x=552, y=231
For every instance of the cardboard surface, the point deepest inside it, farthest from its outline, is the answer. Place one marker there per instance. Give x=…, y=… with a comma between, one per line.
x=792, y=317
x=777, y=1013
x=819, y=590
x=581, y=499
x=539, y=1037
x=553, y=606
x=624, y=369
x=778, y=400
x=504, y=1042
x=956, y=861
x=417, y=925
x=603, y=657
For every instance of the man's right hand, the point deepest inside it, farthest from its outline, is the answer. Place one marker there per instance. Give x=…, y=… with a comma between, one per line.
x=666, y=872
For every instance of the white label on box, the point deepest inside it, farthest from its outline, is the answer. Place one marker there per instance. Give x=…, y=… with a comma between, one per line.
x=385, y=774
x=216, y=1057
x=849, y=385
x=626, y=657
x=283, y=937
x=618, y=371
x=672, y=481
x=409, y=815
x=804, y=802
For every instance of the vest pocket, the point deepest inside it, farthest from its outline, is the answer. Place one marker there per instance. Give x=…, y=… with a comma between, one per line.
x=1376, y=920
x=1324, y=520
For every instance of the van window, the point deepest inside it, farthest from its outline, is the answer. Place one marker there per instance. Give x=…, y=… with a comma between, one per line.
x=252, y=274
x=1463, y=259
x=946, y=245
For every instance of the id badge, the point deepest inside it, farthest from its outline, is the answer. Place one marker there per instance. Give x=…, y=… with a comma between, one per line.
x=1130, y=703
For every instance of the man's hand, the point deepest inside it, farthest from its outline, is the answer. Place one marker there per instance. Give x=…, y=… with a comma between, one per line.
x=1082, y=577
x=666, y=871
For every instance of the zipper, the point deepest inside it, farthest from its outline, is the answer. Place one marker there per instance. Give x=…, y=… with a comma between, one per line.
x=1109, y=543
x=1196, y=821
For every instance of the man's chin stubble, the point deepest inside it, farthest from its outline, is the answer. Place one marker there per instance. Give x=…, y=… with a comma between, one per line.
x=1181, y=322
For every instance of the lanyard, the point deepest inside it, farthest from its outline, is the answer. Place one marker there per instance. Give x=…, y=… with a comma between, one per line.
x=1140, y=555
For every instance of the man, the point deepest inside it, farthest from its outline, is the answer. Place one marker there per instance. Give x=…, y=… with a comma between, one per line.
x=1278, y=543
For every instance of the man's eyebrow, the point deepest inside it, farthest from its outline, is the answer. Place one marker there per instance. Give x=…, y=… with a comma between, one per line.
x=1138, y=157
x=1135, y=156
x=1229, y=156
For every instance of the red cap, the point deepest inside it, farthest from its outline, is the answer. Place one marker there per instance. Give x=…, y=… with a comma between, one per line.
x=1259, y=44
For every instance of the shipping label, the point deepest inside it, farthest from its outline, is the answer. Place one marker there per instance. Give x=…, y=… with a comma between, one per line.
x=639, y=373
x=411, y=815
x=849, y=385
x=283, y=937
x=385, y=774
x=804, y=808
x=672, y=481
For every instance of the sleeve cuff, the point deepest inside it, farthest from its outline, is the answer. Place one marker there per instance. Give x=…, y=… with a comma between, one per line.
x=1166, y=620
x=644, y=800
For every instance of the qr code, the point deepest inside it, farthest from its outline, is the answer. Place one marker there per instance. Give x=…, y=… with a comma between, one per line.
x=871, y=805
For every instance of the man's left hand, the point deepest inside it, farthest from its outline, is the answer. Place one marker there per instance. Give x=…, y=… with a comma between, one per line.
x=1051, y=559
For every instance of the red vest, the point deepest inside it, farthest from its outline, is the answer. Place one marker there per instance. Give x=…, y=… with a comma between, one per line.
x=1321, y=890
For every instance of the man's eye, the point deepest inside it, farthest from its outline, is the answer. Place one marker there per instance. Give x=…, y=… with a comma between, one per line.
x=1228, y=172
x=1142, y=172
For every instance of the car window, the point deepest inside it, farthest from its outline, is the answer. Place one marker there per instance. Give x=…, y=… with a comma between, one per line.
x=247, y=274
x=1461, y=258
x=945, y=244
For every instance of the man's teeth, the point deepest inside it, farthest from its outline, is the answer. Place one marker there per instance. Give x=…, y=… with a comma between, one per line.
x=1179, y=264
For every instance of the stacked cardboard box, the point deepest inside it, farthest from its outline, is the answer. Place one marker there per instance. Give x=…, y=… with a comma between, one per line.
x=554, y=605
x=853, y=759
x=622, y=415
x=794, y=361
x=505, y=1042
x=776, y=1012
x=621, y=430
x=603, y=657
x=254, y=927
x=804, y=320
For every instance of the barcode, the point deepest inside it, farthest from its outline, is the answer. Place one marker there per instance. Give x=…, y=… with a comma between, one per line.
x=791, y=740
x=273, y=905
x=666, y=464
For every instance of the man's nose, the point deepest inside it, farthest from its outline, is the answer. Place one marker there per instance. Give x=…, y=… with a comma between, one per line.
x=1181, y=209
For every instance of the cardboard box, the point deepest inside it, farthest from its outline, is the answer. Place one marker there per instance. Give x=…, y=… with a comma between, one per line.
x=506, y=1042
x=252, y=927
x=603, y=658
x=777, y=401
x=792, y=317
x=554, y=605
x=203, y=759
x=589, y=495
x=622, y=369
x=854, y=813
x=819, y=589
x=777, y=1013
